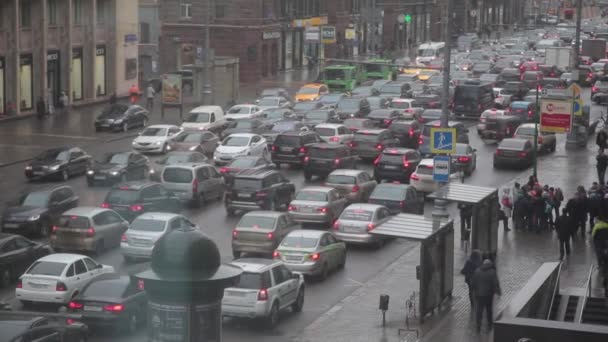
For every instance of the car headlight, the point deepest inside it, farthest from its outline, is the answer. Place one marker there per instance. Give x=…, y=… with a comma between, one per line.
x=29, y=167
x=90, y=172
x=243, y=152
x=193, y=148
x=158, y=142
x=33, y=218
x=110, y=120
x=134, y=143
x=152, y=171
x=54, y=168
x=114, y=173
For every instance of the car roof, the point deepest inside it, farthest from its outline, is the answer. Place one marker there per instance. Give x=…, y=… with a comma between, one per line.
x=326, y=146
x=426, y=162
x=392, y=185
x=84, y=211
x=298, y=133
x=254, y=265
x=364, y=206
x=187, y=166
x=526, y=125
x=154, y=215
x=521, y=103
x=317, y=188
x=265, y=213
x=370, y=131
x=162, y=126
x=346, y=172
x=437, y=123
x=329, y=125
x=398, y=150
x=520, y=142
x=200, y=109
x=253, y=173
x=244, y=135
x=136, y=185
x=309, y=233
x=47, y=189
x=313, y=85
x=62, y=257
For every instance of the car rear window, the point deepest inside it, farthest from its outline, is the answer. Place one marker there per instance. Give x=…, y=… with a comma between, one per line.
x=525, y=131
x=242, y=163
x=147, y=225
x=249, y=280
x=341, y=179
x=247, y=183
x=388, y=192
x=511, y=144
x=73, y=221
x=322, y=153
x=299, y=242
x=306, y=195
x=120, y=196
x=107, y=289
x=287, y=140
x=357, y=215
x=400, y=105
x=177, y=175
x=47, y=268
x=399, y=126
x=366, y=137
x=424, y=170
x=391, y=158
x=325, y=132
x=257, y=222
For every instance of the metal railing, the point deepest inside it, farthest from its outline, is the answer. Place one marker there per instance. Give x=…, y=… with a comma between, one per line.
x=555, y=289
x=579, y=316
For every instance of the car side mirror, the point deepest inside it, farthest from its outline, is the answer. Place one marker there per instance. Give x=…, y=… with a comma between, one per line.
x=295, y=276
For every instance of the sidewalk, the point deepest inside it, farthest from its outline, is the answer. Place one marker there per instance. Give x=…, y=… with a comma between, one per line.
x=357, y=317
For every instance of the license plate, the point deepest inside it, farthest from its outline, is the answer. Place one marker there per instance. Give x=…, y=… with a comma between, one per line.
x=390, y=167
x=11, y=225
x=244, y=195
x=100, y=177
x=236, y=294
x=37, y=286
x=351, y=229
x=92, y=308
x=293, y=258
x=285, y=149
x=307, y=210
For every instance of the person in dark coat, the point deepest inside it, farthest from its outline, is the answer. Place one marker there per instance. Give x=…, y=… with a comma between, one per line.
x=113, y=99
x=577, y=208
x=601, y=139
x=594, y=202
x=40, y=108
x=469, y=269
x=485, y=285
x=519, y=212
x=466, y=216
x=563, y=226
x=602, y=164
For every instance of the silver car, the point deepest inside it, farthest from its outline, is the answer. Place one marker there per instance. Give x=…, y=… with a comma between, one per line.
x=312, y=252
x=357, y=220
x=317, y=204
x=260, y=232
x=354, y=185
x=139, y=240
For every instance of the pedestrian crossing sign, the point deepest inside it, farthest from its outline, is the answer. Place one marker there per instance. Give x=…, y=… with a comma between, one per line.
x=443, y=140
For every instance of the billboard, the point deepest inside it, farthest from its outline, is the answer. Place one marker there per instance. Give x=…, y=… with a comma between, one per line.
x=172, y=89
x=556, y=115
x=328, y=34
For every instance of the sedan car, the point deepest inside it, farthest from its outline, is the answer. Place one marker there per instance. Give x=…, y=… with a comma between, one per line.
x=273, y=102
x=204, y=142
x=57, y=278
x=514, y=153
x=334, y=133
x=547, y=141
x=357, y=220
x=245, y=111
x=319, y=116
x=59, y=163
x=382, y=118
x=118, y=167
x=240, y=145
x=173, y=158
x=156, y=138
x=398, y=198
x=244, y=163
x=122, y=117
x=132, y=199
x=260, y=232
x=312, y=253
x=465, y=158
x=354, y=185
x=256, y=126
x=111, y=301
x=273, y=115
x=311, y=92
x=422, y=179
x=317, y=204
x=16, y=255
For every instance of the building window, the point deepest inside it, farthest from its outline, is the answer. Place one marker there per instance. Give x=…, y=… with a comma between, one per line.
x=26, y=13
x=220, y=10
x=77, y=8
x=144, y=33
x=101, y=11
x=186, y=9
x=51, y=12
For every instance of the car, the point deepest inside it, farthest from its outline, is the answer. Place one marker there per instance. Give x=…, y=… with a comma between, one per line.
x=193, y=183
x=567, y=78
x=17, y=253
x=111, y=302
x=329, y=101
x=132, y=199
x=122, y=117
x=407, y=132
x=382, y=118
x=494, y=79
x=354, y=185
x=283, y=127
x=118, y=167
x=529, y=66
x=291, y=147
x=319, y=116
x=419, y=89
x=522, y=109
x=398, y=198
x=355, y=124
x=36, y=211
x=334, y=133
x=317, y=204
x=465, y=158
x=513, y=152
x=59, y=163
x=406, y=78
x=424, y=143
x=465, y=65
x=311, y=92
x=255, y=126
x=173, y=158
x=156, y=138
x=532, y=79
x=397, y=89
x=422, y=178
x=273, y=102
x=429, y=115
x=549, y=70
x=322, y=158
x=57, y=278
x=357, y=220
x=486, y=115
x=378, y=102
x=260, y=232
x=143, y=233
x=364, y=91
x=502, y=100
x=264, y=289
x=510, y=74
x=369, y=143
x=425, y=74
x=89, y=229
x=482, y=67
x=352, y=107
x=258, y=190
x=600, y=86
x=210, y=118
x=401, y=104
x=243, y=111
x=302, y=107
x=271, y=116
x=517, y=90
x=204, y=142
x=396, y=164
x=271, y=92
x=238, y=145
x=427, y=101
x=244, y=163
x=547, y=141
x=312, y=253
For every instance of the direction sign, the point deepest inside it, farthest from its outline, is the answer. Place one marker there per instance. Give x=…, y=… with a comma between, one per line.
x=443, y=140
x=441, y=169
x=575, y=89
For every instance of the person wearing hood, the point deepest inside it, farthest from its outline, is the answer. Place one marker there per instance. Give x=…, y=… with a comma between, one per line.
x=485, y=285
x=469, y=269
x=563, y=226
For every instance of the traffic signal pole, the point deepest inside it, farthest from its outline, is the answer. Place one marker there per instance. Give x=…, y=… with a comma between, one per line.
x=445, y=106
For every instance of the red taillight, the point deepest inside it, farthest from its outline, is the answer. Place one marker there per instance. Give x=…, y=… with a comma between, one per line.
x=276, y=255
x=355, y=188
x=590, y=75
x=406, y=163
x=402, y=204
x=370, y=227
x=322, y=210
x=420, y=140
x=61, y=287
x=377, y=160
x=352, y=144
x=292, y=208
x=540, y=140
x=224, y=170
x=263, y=295
x=498, y=152
x=114, y=308
x=195, y=186
x=336, y=225
x=273, y=148
x=414, y=177
x=105, y=205
x=530, y=114
x=75, y=305
x=19, y=284
x=411, y=132
x=314, y=257
x=141, y=284
x=261, y=194
x=302, y=149
x=379, y=147
x=235, y=234
x=91, y=232
x=306, y=159
x=594, y=89
x=552, y=74
x=464, y=159
x=337, y=162
x=334, y=139
x=523, y=154
x=136, y=208
x=54, y=229
x=270, y=236
x=123, y=238
x=387, y=121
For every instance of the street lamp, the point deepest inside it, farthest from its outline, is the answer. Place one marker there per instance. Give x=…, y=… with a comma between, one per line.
x=535, y=155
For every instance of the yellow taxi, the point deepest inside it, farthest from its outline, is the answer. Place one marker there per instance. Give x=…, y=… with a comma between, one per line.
x=311, y=92
x=411, y=71
x=425, y=74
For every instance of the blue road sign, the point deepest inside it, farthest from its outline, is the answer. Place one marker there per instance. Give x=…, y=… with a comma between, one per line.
x=441, y=169
x=443, y=140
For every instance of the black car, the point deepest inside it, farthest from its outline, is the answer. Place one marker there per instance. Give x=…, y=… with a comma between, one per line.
x=16, y=255
x=59, y=163
x=315, y=117
x=122, y=117
x=398, y=198
x=369, y=143
x=517, y=90
x=37, y=211
x=382, y=118
x=352, y=107
x=465, y=158
x=365, y=91
x=271, y=116
x=322, y=159
x=118, y=167
x=256, y=126
x=407, y=131
x=282, y=127
x=429, y=115
x=245, y=163
x=514, y=153
x=302, y=107
x=258, y=190
x=17, y=327
x=111, y=302
x=330, y=100
x=510, y=74
x=291, y=147
x=132, y=199
x=396, y=164
x=397, y=89
x=427, y=101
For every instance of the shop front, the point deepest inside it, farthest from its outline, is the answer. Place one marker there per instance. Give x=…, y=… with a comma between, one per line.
x=270, y=52
x=100, y=70
x=77, y=74
x=53, y=78
x=26, y=86
x=305, y=40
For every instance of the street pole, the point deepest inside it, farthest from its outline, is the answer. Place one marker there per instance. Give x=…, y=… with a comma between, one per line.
x=372, y=24
x=207, y=68
x=577, y=41
x=536, y=118
x=445, y=108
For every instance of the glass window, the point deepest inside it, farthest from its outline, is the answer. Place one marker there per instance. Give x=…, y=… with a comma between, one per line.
x=305, y=195
x=36, y=199
x=79, y=267
x=101, y=11
x=177, y=175
x=9, y=246
x=119, y=196
x=77, y=11
x=22, y=243
x=258, y=222
x=47, y=268
x=91, y=265
x=202, y=174
x=357, y=215
x=107, y=289
x=70, y=272
x=246, y=183
x=51, y=12
x=341, y=179
x=26, y=13
x=249, y=280
x=299, y=242
x=112, y=217
x=151, y=192
x=147, y=225
x=73, y=221
x=278, y=275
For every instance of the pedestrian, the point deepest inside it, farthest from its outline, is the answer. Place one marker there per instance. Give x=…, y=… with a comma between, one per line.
x=150, y=92
x=563, y=227
x=594, y=201
x=601, y=139
x=64, y=102
x=577, y=209
x=134, y=94
x=519, y=212
x=558, y=199
x=468, y=271
x=506, y=206
x=532, y=182
x=113, y=99
x=538, y=211
x=485, y=285
x=40, y=108
x=602, y=164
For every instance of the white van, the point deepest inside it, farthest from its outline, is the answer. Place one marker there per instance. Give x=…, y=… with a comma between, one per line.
x=205, y=118
x=428, y=52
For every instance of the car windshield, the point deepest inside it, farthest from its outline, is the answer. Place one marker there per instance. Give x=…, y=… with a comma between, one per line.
x=239, y=110
x=400, y=105
x=119, y=196
x=118, y=158
x=247, y=183
x=74, y=221
x=525, y=131
x=249, y=280
x=317, y=115
x=287, y=140
x=242, y=163
x=309, y=195
x=198, y=117
x=341, y=179
x=36, y=199
x=309, y=90
x=268, y=102
x=52, y=155
x=147, y=225
x=299, y=242
x=325, y=131
x=424, y=170
x=348, y=104
x=177, y=175
x=236, y=141
x=388, y=192
x=366, y=137
x=357, y=215
x=257, y=222
x=47, y=268
x=154, y=132
x=115, y=288
x=189, y=137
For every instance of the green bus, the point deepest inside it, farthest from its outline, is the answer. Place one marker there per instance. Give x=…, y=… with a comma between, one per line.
x=378, y=69
x=341, y=78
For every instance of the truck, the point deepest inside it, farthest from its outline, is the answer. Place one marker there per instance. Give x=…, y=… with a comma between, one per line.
x=561, y=57
x=342, y=78
x=594, y=48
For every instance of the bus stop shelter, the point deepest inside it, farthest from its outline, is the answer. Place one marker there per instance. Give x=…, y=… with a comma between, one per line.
x=436, y=269
x=485, y=205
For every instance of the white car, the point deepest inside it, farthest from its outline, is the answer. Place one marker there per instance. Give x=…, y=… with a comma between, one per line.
x=273, y=102
x=264, y=289
x=57, y=278
x=156, y=138
x=422, y=178
x=246, y=111
x=501, y=100
x=240, y=145
x=334, y=133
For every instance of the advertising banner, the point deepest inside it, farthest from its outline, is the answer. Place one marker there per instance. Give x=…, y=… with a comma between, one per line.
x=556, y=116
x=312, y=34
x=328, y=34
x=172, y=89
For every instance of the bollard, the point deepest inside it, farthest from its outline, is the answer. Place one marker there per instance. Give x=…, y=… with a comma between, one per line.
x=384, y=298
x=440, y=209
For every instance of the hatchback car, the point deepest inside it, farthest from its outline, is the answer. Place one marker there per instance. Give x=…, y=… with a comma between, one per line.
x=89, y=229
x=396, y=90
x=334, y=133
x=122, y=117
x=514, y=153
x=398, y=198
x=118, y=167
x=239, y=145
x=422, y=179
x=322, y=159
x=244, y=163
x=547, y=141
x=312, y=253
x=132, y=199
x=16, y=255
x=260, y=232
x=59, y=163
x=204, y=142
x=258, y=190
x=396, y=164
x=174, y=158
x=532, y=79
x=465, y=158
x=407, y=132
x=522, y=109
x=311, y=92
x=197, y=183
x=369, y=143
x=354, y=185
x=156, y=138
x=352, y=107
x=357, y=220
x=316, y=204
x=430, y=115
x=291, y=147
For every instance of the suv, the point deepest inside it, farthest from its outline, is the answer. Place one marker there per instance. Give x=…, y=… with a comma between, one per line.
x=322, y=159
x=258, y=190
x=132, y=199
x=396, y=164
x=194, y=183
x=353, y=107
x=264, y=289
x=383, y=118
x=290, y=147
x=407, y=131
x=368, y=143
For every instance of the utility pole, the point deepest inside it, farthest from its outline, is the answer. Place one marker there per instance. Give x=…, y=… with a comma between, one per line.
x=577, y=41
x=445, y=108
x=207, y=91
x=372, y=23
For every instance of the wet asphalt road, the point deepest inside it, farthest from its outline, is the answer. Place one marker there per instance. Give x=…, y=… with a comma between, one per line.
x=21, y=139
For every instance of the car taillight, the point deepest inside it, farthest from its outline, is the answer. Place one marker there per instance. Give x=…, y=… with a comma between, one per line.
x=370, y=227
x=261, y=194
x=337, y=162
x=314, y=257
x=270, y=236
x=273, y=148
x=235, y=234
x=141, y=284
x=406, y=163
x=54, y=229
x=75, y=305
x=306, y=159
x=91, y=232
x=334, y=139
x=123, y=238
x=594, y=89
x=590, y=75
x=302, y=149
x=105, y=205
x=336, y=225
x=322, y=210
x=224, y=170
x=523, y=154
x=377, y=160
x=411, y=132
x=379, y=147
x=263, y=295
x=276, y=255
x=19, y=284
x=420, y=140
x=136, y=208
x=355, y=188
x=464, y=159
x=195, y=186
x=498, y=152
x=402, y=204
x=529, y=113
x=540, y=140
x=61, y=287
x=114, y=308
x=387, y=121
x=352, y=144
x=292, y=208
x=479, y=106
x=414, y=177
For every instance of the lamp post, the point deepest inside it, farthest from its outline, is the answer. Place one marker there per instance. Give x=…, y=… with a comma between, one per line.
x=536, y=118
x=207, y=91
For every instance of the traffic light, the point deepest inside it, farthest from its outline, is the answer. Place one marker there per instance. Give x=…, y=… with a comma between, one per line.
x=407, y=18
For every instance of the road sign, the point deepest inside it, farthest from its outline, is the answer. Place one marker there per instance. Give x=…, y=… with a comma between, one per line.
x=441, y=169
x=556, y=115
x=577, y=107
x=328, y=34
x=443, y=140
x=575, y=89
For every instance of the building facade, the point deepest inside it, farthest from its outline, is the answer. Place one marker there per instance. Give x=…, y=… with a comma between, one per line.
x=85, y=48
x=149, y=32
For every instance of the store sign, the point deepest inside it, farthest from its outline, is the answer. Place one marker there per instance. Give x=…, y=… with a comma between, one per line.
x=271, y=35
x=328, y=34
x=100, y=51
x=52, y=56
x=556, y=116
x=350, y=34
x=314, y=21
x=312, y=34
x=130, y=38
x=171, y=89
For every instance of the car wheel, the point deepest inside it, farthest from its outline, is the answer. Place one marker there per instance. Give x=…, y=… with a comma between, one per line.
x=273, y=317
x=99, y=248
x=553, y=147
x=199, y=200
x=125, y=127
x=65, y=176
x=236, y=254
x=299, y=303
x=5, y=278
x=45, y=228
x=165, y=148
x=342, y=263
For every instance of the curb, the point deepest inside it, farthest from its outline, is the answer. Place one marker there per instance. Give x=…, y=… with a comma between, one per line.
x=15, y=162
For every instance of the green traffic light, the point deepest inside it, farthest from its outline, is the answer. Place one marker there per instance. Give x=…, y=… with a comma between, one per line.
x=408, y=18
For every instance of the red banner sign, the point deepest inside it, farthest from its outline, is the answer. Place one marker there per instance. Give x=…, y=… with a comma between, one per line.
x=556, y=116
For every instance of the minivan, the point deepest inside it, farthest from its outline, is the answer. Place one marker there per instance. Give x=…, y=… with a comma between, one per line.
x=196, y=183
